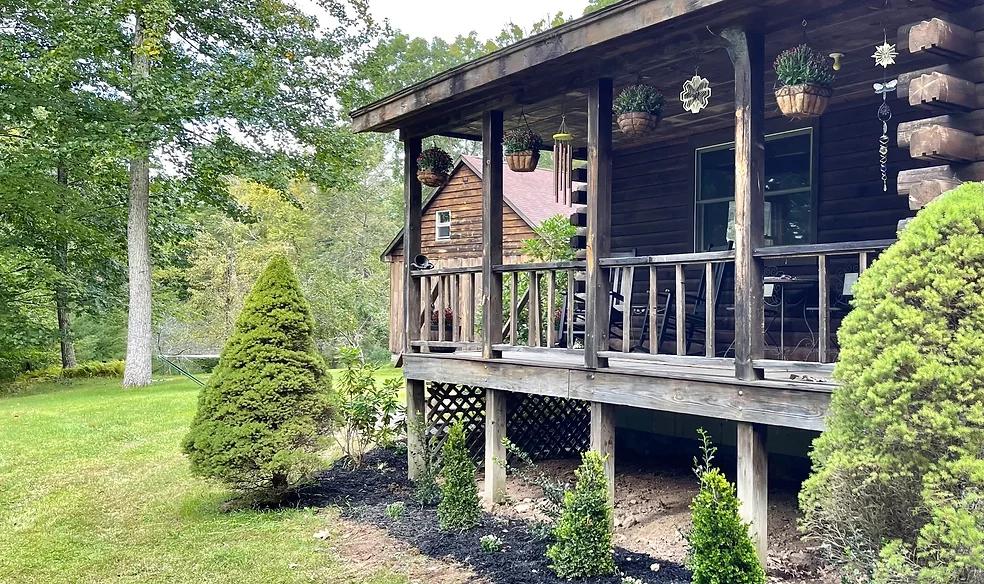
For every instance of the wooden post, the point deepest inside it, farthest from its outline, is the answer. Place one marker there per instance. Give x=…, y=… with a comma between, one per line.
x=411, y=242
x=747, y=50
x=597, y=309
x=710, y=326
x=491, y=233
x=753, y=482
x=533, y=310
x=653, y=310
x=415, y=413
x=603, y=440
x=495, y=431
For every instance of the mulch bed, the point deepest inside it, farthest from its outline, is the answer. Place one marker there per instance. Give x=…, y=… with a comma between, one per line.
x=363, y=495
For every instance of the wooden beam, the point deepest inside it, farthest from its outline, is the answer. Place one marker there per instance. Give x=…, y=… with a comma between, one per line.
x=413, y=202
x=603, y=440
x=927, y=191
x=939, y=91
x=491, y=232
x=971, y=122
x=495, y=431
x=747, y=51
x=944, y=144
x=415, y=415
x=599, y=243
x=753, y=485
x=938, y=37
x=952, y=173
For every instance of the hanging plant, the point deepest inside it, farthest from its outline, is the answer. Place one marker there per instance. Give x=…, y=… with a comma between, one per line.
x=522, y=147
x=433, y=167
x=639, y=109
x=806, y=78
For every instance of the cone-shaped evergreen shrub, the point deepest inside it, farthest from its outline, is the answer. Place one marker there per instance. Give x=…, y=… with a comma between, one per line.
x=583, y=535
x=459, y=508
x=719, y=549
x=265, y=410
x=897, y=491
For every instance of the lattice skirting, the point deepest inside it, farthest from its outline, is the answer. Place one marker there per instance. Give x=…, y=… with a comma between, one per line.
x=543, y=426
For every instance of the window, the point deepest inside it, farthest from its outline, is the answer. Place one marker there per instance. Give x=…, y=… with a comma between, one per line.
x=443, y=231
x=789, y=207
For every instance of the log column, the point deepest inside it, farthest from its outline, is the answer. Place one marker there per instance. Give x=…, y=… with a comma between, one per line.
x=411, y=242
x=753, y=482
x=599, y=210
x=491, y=233
x=416, y=421
x=495, y=430
x=603, y=440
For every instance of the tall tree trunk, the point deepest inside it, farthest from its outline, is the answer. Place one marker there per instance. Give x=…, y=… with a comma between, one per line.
x=61, y=294
x=139, y=340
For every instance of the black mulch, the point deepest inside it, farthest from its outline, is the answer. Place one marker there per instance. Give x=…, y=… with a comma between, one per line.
x=364, y=494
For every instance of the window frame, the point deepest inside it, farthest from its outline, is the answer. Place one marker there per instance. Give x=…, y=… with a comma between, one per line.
x=438, y=224
x=714, y=145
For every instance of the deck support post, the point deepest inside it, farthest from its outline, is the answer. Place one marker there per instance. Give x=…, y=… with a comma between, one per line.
x=597, y=306
x=495, y=431
x=747, y=51
x=411, y=242
x=415, y=415
x=753, y=482
x=491, y=233
x=603, y=440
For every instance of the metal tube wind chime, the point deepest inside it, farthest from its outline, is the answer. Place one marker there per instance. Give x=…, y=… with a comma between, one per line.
x=563, y=154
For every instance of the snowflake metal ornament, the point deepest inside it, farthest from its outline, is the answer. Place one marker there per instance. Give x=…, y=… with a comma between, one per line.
x=885, y=54
x=696, y=94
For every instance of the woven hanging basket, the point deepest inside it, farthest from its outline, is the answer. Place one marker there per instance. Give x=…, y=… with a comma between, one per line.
x=430, y=178
x=638, y=124
x=803, y=101
x=523, y=161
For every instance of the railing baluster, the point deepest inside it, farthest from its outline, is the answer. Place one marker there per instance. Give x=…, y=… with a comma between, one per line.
x=441, y=304
x=470, y=322
x=570, y=308
x=626, y=293
x=653, y=310
x=455, y=308
x=533, y=303
x=425, y=301
x=681, y=310
x=551, y=309
x=824, y=309
x=862, y=262
x=710, y=326
x=513, y=310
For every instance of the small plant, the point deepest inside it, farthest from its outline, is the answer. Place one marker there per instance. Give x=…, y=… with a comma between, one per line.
x=803, y=65
x=583, y=546
x=395, y=510
x=552, y=503
x=368, y=411
x=718, y=546
x=459, y=509
x=631, y=580
x=491, y=543
x=639, y=99
x=436, y=160
x=521, y=140
x=426, y=490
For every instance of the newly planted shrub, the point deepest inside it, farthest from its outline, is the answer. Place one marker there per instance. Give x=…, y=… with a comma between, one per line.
x=898, y=477
x=552, y=503
x=395, y=510
x=491, y=543
x=265, y=411
x=719, y=549
x=459, y=509
x=426, y=491
x=368, y=410
x=583, y=536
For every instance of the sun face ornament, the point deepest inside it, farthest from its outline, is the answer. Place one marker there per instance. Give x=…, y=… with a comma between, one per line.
x=885, y=54
x=696, y=94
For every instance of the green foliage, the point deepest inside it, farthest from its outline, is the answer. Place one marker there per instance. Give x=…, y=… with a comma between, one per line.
x=552, y=503
x=596, y=5
x=583, y=546
x=459, y=509
x=395, y=510
x=490, y=543
x=426, y=491
x=719, y=549
x=521, y=139
x=553, y=241
x=436, y=160
x=898, y=475
x=803, y=64
x=639, y=98
x=263, y=414
x=367, y=409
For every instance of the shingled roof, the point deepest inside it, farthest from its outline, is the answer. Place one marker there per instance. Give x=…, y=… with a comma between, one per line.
x=529, y=194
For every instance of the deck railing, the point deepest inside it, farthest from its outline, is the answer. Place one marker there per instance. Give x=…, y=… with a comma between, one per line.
x=540, y=305
x=450, y=313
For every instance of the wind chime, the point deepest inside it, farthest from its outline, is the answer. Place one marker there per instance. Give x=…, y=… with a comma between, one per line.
x=696, y=93
x=884, y=57
x=563, y=154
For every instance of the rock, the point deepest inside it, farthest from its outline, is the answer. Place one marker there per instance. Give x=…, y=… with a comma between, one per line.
x=524, y=508
x=322, y=535
x=654, y=567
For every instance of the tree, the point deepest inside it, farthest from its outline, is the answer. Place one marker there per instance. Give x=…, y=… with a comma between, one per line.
x=263, y=415
x=895, y=493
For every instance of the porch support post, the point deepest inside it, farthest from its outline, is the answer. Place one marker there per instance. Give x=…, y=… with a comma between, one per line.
x=495, y=431
x=603, y=440
x=753, y=482
x=411, y=242
x=415, y=415
x=597, y=306
x=491, y=233
x=747, y=50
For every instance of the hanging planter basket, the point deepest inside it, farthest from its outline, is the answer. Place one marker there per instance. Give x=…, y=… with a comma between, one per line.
x=522, y=148
x=639, y=109
x=434, y=167
x=803, y=101
x=523, y=161
x=638, y=124
x=432, y=179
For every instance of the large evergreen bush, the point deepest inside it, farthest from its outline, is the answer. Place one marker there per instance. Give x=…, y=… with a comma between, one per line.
x=265, y=410
x=897, y=491
x=459, y=508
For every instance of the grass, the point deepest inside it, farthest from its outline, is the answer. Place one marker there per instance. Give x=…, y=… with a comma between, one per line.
x=94, y=488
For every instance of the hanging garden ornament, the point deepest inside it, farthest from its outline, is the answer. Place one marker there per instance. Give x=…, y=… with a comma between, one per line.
x=885, y=54
x=696, y=94
x=563, y=162
x=884, y=115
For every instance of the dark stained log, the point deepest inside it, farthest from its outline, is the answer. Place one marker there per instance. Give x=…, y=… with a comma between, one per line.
x=971, y=122
x=415, y=413
x=941, y=38
x=491, y=232
x=413, y=201
x=599, y=229
x=971, y=71
x=939, y=91
x=952, y=173
x=579, y=218
x=944, y=144
x=747, y=51
x=925, y=192
x=753, y=485
x=579, y=175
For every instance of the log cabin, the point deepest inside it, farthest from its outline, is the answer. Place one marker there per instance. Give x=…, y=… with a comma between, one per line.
x=721, y=249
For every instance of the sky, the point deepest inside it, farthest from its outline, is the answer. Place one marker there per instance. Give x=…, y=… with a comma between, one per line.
x=450, y=18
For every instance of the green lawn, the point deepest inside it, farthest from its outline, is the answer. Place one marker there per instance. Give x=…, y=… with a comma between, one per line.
x=94, y=488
